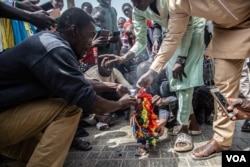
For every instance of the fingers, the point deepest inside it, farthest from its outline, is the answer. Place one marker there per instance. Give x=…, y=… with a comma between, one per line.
x=184, y=74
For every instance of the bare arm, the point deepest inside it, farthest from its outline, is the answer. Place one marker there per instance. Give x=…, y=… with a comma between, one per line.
x=39, y=19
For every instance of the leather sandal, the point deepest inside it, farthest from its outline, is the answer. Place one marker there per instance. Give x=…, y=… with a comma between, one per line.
x=209, y=150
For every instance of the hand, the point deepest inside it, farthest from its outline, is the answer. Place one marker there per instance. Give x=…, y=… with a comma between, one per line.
x=159, y=130
x=240, y=107
x=155, y=47
x=41, y=19
x=121, y=90
x=146, y=80
x=99, y=41
x=156, y=100
x=109, y=59
x=126, y=101
x=29, y=5
x=178, y=71
x=113, y=39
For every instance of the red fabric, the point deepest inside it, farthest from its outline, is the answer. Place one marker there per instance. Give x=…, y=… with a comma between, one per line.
x=128, y=22
x=149, y=23
x=89, y=57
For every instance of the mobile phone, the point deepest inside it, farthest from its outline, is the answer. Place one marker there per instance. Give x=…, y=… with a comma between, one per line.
x=116, y=33
x=222, y=101
x=104, y=33
x=47, y=6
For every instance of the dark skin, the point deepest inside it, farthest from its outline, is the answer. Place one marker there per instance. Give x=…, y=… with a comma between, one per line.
x=80, y=40
x=237, y=105
x=29, y=5
x=39, y=18
x=145, y=80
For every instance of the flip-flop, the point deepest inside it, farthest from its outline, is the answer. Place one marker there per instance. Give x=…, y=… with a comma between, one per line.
x=183, y=138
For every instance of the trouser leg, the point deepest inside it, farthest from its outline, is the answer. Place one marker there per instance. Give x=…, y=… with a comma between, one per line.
x=185, y=105
x=54, y=117
x=227, y=79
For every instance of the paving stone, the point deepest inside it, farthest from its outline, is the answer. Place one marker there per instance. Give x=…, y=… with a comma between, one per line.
x=118, y=155
x=130, y=163
x=144, y=163
x=195, y=163
x=115, y=148
x=216, y=161
x=77, y=155
x=169, y=162
x=93, y=155
x=131, y=155
x=78, y=163
x=166, y=153
x=97, y=147
x=104, y=155
x=182, y=162
x=108, y=163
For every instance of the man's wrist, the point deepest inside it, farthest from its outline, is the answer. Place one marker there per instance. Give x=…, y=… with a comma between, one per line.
x=181, y=60
x=127, y=56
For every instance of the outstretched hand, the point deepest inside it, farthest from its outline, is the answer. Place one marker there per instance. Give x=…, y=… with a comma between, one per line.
x=146, y=79
x=126, y=101
x=42, y=20
x=156, y=100
x=29, y=5
x=110, y=59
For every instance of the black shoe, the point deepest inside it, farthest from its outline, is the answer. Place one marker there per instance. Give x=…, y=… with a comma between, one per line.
x=246, y=126
x=79, y=144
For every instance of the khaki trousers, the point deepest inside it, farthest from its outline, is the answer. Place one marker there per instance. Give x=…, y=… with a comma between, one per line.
x=227, y=79
x=39, y=132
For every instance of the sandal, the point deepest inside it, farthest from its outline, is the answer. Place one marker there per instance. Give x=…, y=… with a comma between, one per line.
x=246, y=126
x=209, y=150
x=183, y=138
x=80, y=144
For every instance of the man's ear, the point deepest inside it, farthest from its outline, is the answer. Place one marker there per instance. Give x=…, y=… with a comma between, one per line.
x=73, y=30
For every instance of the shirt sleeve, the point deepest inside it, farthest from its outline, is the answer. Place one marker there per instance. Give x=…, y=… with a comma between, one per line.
x=62, y=77
x=120, y=79
x=140, y=29
x=179, y=34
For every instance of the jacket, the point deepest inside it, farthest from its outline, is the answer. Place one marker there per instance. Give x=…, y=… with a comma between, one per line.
x=231, y=37
x=42, y=66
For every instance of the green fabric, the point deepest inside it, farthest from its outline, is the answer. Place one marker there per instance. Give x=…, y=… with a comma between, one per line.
x=111, y=22
x=140, y=27
x=194, y=63
x=185, y=107
x=193, y=50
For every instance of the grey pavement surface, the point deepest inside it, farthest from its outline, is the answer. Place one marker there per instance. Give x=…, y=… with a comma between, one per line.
x=116, y=147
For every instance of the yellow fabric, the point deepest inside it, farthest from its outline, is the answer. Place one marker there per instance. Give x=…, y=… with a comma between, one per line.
x=27, y=28
x=7, y=33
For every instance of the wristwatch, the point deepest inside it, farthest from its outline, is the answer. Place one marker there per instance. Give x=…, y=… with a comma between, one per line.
x=181, y=60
